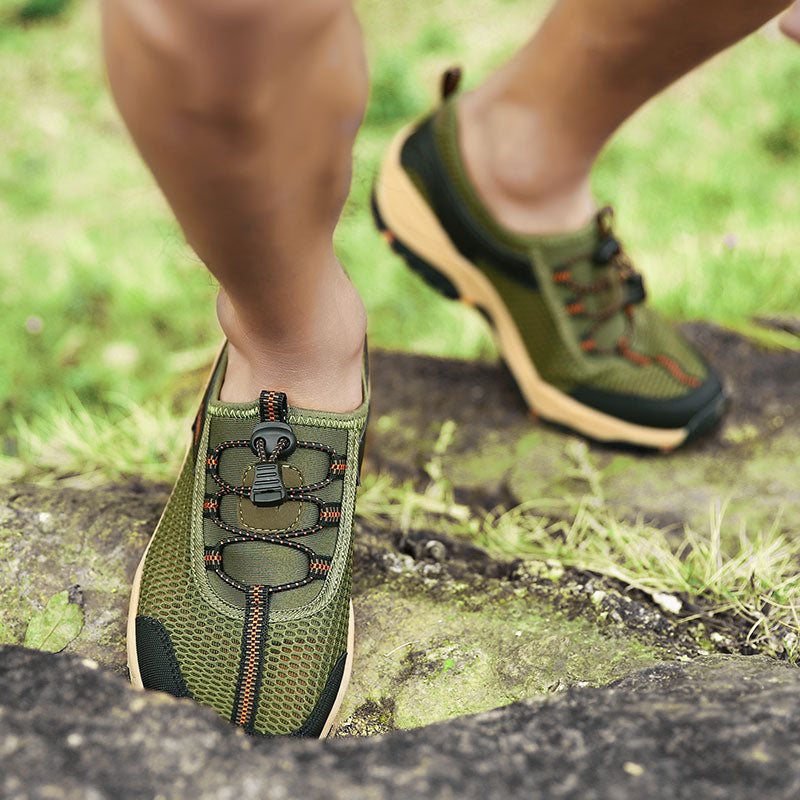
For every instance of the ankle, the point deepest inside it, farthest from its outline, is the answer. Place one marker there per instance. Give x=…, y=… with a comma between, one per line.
x=317, y=363
x=529, y=177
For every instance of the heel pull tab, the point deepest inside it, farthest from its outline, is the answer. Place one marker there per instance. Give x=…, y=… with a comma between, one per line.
x=450, y=81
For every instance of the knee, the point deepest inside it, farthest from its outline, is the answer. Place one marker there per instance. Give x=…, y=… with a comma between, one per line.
x=226, y=64
x=208, y=29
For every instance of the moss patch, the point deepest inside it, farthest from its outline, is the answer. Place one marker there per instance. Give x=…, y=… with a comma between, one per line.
x=436, y=660
x=52, y=539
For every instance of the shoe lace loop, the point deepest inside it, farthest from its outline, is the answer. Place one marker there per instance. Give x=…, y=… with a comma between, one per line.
x=272, y=439
x=608, y=255
x=270, y=457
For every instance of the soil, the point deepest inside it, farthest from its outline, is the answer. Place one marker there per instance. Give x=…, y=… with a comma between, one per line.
x=501, y=456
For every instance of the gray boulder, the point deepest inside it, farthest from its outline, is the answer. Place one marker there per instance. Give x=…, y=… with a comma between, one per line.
x=716, y=727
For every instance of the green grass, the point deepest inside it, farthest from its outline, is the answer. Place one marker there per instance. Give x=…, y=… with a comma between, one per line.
x=752, y=584
x=745, y=585
x=28, y=11
x=105, y=312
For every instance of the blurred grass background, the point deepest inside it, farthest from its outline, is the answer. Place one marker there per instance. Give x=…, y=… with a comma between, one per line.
x=107, y=319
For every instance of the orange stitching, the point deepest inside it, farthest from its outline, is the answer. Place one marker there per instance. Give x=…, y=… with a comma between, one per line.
x=251, y=667
x=676, y=372
x=639, y=359
x=316, y=565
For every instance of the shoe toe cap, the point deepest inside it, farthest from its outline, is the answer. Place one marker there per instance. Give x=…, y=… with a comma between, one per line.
x=697, y=410
x=155, y=656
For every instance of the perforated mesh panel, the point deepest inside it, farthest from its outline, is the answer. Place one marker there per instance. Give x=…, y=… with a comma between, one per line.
x=562, y=367
x=299, y=655
x=207, y=645
x=653, y=335
x=298, y=658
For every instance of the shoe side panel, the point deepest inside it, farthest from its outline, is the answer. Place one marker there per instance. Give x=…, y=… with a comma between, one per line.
x=207, y=645
x=421, y=159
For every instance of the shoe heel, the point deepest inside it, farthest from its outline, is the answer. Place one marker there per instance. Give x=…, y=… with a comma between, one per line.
x=432, y=276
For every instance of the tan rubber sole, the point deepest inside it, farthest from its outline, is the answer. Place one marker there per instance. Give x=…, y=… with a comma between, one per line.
x=408, y=217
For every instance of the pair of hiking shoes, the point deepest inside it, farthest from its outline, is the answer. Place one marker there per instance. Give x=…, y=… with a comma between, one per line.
x=242, y=599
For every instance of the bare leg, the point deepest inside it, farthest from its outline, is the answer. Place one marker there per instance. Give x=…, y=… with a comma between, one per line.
x=790, y=23
x=531, y=133
x=246, y=112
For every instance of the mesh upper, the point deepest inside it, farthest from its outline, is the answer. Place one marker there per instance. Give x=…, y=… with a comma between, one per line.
x=207, y=645
x=560, y=361
x=552, y=337
x=297, y=661
x=299, y=654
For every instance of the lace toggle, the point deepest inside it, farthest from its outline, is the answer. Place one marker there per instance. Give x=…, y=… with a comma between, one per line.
x=268, y=488
x=270, y=441
x=266, y=437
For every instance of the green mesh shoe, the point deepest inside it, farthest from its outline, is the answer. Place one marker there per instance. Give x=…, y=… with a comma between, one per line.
x=567, y=311
x=242, y=599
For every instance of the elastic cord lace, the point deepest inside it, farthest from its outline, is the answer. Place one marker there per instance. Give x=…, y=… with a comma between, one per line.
x=623, y=272
x=329, y=513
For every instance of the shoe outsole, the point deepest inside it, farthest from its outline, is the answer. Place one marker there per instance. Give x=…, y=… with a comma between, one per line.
x=401, y=214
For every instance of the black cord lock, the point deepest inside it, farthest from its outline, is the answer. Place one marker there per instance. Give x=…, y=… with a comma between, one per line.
x=268, y=488
x=270, y=433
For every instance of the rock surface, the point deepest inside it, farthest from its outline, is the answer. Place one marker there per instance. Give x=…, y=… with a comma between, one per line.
x=468, y=632
x=717, y=727
x=54, y=538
